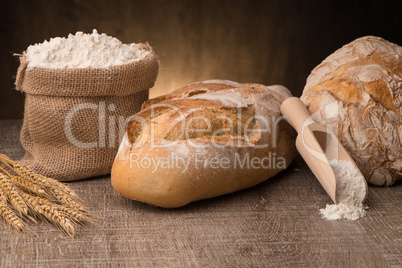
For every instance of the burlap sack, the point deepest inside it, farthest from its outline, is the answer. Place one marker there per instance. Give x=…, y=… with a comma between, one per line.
x=74, y=118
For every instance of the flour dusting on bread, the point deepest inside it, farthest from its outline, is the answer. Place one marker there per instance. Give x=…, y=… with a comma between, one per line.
x=226, y=98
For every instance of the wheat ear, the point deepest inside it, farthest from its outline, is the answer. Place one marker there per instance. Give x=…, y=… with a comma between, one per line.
x=32, y=194
x=40, y=179
x=27, y=185
x=47, y=211
x=13, y=195
x=65, y=199
x=8, y=214
x=72, y=213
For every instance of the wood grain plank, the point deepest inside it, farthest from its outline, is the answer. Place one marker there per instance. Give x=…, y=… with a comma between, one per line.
x=274, y=224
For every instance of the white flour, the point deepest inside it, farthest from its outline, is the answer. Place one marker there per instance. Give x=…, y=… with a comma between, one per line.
x=225, y=98
x=351, y=191
x=82, y=51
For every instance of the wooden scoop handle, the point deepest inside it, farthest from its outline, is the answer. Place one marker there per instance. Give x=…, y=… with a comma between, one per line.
x=295, y=112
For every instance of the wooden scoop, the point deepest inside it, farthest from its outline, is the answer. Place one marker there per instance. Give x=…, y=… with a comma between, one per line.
x=316, y=144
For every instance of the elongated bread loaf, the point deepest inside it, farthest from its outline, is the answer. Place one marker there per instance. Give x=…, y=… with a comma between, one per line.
x=203, y=140
x=357, y=91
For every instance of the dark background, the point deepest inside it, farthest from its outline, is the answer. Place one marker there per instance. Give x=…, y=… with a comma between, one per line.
x=269, y=42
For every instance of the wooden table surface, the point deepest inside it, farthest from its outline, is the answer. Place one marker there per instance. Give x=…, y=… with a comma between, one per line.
x=274, y=224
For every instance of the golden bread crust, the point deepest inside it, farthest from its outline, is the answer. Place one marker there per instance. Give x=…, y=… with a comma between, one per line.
x=225, y=121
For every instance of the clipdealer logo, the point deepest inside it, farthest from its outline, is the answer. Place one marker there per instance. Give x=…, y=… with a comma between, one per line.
x=111, y=130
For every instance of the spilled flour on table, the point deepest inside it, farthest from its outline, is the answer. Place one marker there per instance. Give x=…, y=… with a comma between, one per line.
x=351, y=191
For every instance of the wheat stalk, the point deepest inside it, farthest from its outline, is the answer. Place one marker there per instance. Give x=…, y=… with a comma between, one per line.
x=45, y=210
x=8, y=214
x=27, y=185
x=40, y=179
x=72, y=213
x=66, y=200
x=33, y=195
x=13, y=195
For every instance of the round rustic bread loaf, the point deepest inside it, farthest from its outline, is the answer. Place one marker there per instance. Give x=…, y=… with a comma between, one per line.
x=357, y=92
x=203, y=140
